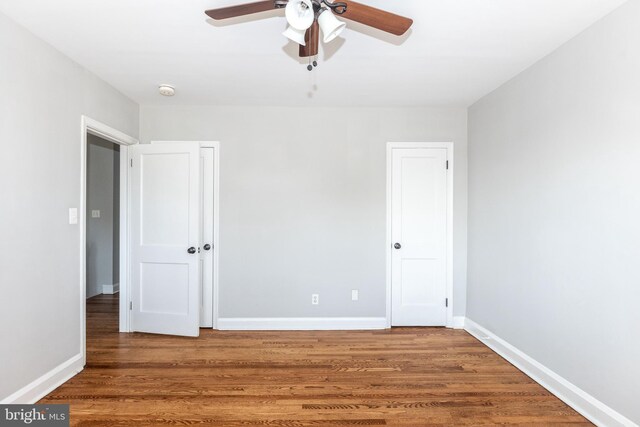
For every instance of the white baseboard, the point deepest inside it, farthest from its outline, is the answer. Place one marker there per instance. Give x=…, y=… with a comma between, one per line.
x=301, y=324
x=458, y=322
x=111, y=289
x=44, y=385
x=587, y=405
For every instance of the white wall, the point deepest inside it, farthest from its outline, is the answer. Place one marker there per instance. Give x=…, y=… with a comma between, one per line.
x=43, y=96
x=302, y=206
x=102, y=236
x=554, y=208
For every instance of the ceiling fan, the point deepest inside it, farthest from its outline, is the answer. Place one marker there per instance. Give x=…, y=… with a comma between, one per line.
x=307, y=18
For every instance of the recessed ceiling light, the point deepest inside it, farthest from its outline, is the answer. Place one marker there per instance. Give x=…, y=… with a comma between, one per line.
x=166, y=90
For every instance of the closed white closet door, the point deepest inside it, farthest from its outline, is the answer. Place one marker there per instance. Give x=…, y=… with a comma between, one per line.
x=165, y=233
x=419, y=237
x=206, y=255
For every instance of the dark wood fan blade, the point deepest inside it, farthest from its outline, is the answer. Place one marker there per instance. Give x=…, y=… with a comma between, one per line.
x=376, y=18
x=312, y=40
x=241, y=9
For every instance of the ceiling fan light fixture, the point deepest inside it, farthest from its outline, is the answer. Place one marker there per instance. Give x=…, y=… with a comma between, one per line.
x=331, y=26
x=295, y=35
x=300, y=14
x=308, y=18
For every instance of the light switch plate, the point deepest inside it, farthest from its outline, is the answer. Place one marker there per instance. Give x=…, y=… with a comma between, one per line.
x=73, y=216
x=354, y=295
x=95, y=213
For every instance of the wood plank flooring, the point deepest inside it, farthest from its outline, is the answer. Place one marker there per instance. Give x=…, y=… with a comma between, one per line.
x=402, y=377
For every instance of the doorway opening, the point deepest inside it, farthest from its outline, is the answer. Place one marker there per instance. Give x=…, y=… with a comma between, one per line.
x=102, y=212
x=104, y=246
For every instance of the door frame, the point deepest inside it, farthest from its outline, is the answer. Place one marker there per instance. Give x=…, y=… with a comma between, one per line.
x=99, y=129
x=216, y=221
x=449, y=252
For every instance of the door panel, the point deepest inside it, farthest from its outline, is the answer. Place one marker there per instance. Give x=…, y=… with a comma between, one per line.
x=165, y=212
x=164, y=288
x=419, y=227
x=164, y=193
x=414, y=274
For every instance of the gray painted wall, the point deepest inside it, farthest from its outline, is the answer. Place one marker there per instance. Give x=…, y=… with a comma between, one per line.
x=40, y=108
x=554, y=202
x=102, y=233
x=302, y=206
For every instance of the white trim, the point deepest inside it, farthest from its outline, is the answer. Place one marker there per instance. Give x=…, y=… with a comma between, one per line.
x=587, y=405
x=48, y=382
x=216, y=222
x=449, y=147
x=302, y=324
x=97, y=128
x=94, y=127
x=124, y=268
x=458, y=322
x=216, y=234
x=111, y=289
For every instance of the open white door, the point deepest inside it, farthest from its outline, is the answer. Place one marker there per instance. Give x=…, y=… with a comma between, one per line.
x=165, y=233
x=419, y=237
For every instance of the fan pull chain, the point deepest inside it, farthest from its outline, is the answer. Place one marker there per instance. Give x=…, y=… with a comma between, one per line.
x=313, y=64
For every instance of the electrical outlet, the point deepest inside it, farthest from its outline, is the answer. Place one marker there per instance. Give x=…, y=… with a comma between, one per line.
x=315, y=299
x=354, y=295
x=95, y=214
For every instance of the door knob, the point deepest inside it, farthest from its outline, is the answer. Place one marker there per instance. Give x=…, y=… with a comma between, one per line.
x=207, y=247
x=191, y=250
x=397, y=246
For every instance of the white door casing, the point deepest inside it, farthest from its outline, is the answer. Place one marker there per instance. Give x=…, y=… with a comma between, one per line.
x=165, y=239
x=207, y=163
x=89, y=125
x=419, y=264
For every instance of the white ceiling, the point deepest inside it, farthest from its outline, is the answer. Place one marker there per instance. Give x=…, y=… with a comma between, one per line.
x=456, y=52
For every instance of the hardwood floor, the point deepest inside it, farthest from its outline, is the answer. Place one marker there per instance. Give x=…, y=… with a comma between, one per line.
x=402, y=377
